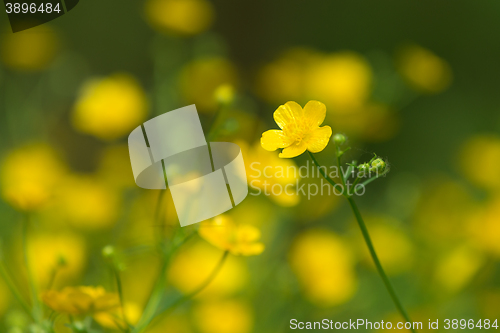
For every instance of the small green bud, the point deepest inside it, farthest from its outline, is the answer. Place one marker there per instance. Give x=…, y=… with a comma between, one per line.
x=224, y=94
x=339, y=139
x=378, y=165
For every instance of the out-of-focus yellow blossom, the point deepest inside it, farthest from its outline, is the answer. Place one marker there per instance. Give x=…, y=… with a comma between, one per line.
x=484, y=227
x=424, y=70
x=30, y=50
x=300, y=129
x=180, y=17
x=63, y=253
x=224, y=233
x=284, y=78
x=394, y=248
x=81, y=300
x=480, y=160
x=200, y=79
x=324, y=266
x=29, y=175
x=223, y=316
x=273, y=176
x=193, y=265
x=114, y=167
x=342, y=80
x=110, y=107
x=4, y=297
x=443, y=212
x=113, y=319
x=457, y=268
x=86, y=203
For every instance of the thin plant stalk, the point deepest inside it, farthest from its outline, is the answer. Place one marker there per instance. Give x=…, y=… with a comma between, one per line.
x=36, y=306
x=368, y=241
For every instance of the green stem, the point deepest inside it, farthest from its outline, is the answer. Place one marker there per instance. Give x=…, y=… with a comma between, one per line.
x=200, y=288
x=120, y=295
x=328, y=179
x=37, y=309
x=378, y=265
x=369, y=243
x=12, y=287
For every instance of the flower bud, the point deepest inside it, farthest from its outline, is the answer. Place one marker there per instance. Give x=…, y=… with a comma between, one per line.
x=339, y=139
x=378, y=165
x=108, y=252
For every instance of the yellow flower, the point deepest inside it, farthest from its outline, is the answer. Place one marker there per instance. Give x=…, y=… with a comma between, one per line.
x=227, y=316
x=484, y=227
x=458, y=267
x=201, y=78
x=29, y=176
x=87, y=203
x=181, y=17
x=424, y=70
x=111, y=107
x=80, y=300
x=29, y=50
x=341, y=79
x=193, y=264
x=113, y=319
x=300, y=129
x=223, y=233
x=484, y=148
x=47, y=251
x=324, y=266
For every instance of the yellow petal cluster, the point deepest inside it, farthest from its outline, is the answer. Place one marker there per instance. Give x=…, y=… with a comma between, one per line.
x=113, y=319
x=179, y=17
x=223, y=233
x=111, y=107
x=224, y=316
x=81, y=300
x=300, y=129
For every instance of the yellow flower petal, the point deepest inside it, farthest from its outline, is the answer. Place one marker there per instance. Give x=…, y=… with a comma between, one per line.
x=318, y=139
x=293, y=150
x=287, y=114
x=274, y=139
x=315, y=113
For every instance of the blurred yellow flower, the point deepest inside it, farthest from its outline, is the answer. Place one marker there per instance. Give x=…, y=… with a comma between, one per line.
x=424, y=70
x=264, y=171
x=86, y=203
x=224, y=233
x=200, y=79
x=47, y=251
x=113, y=318
x=29, y=176
x=110, y=107
x=324, y=266
x=300, y=129
x=457, y=268
x=394, y=248
x=30, y=50
x=480, y=160
x=223, y=316
x=81, y=300
x=194, y=263
x=342, y=80
x=180, y=17
x=284, y=78
x=224, y=94
x=484, y=227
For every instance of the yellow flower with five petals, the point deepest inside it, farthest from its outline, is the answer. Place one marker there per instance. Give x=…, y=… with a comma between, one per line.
x=300, y=129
